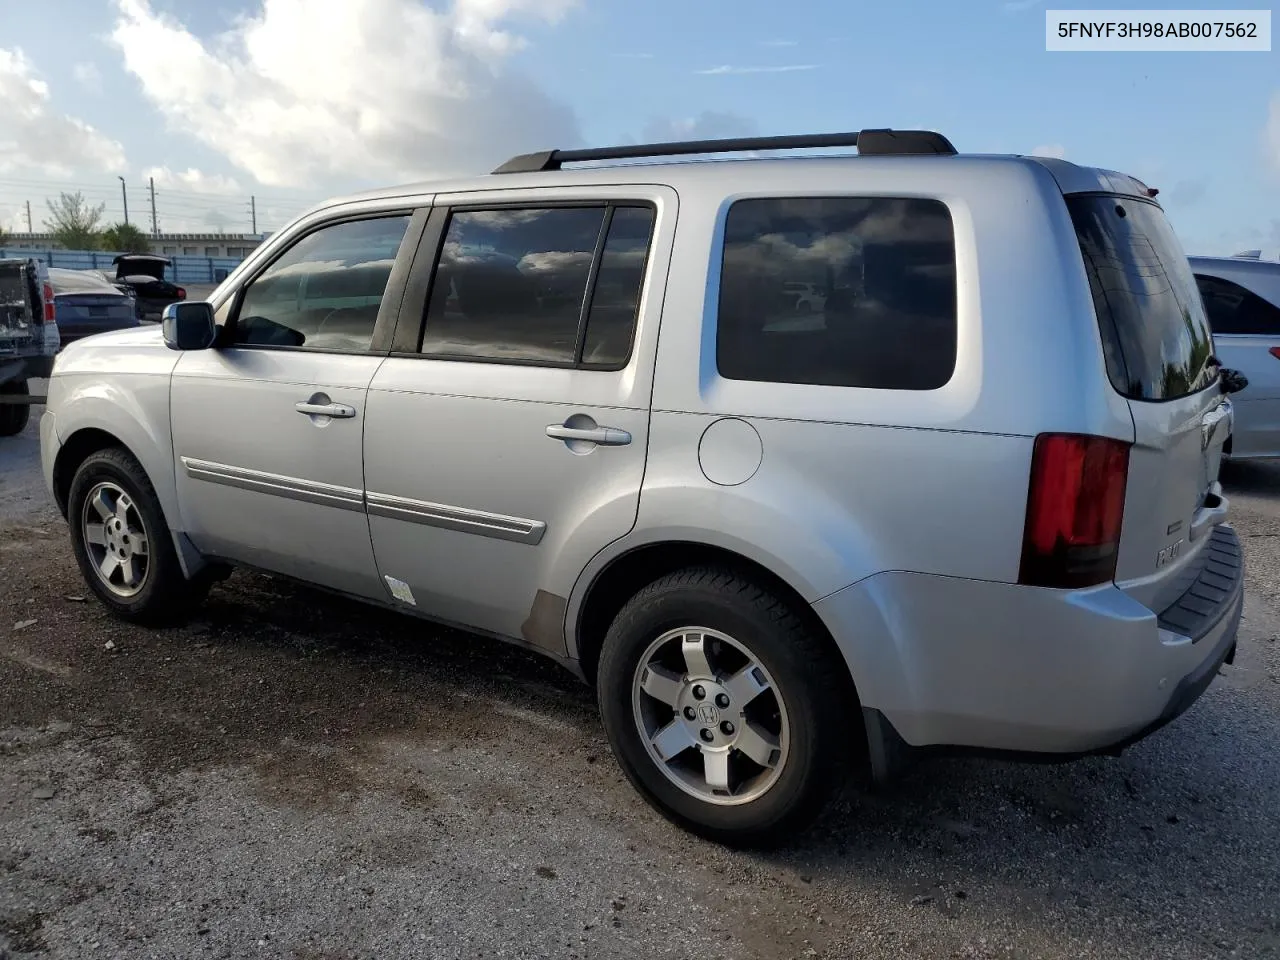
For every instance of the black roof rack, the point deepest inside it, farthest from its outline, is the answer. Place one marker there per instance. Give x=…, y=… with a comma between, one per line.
x=869, y=143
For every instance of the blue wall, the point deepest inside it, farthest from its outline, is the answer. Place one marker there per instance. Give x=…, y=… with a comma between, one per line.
x=182, y=269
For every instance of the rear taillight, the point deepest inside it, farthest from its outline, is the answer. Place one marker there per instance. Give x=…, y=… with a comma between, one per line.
x=182, y=294
x=1275, y=352
x=1075, y=507
x=49, y=315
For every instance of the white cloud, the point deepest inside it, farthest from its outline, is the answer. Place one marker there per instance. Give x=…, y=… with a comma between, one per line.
x=87, y=75
x=13, y=220
x=727, y=69
x=1055, y=150
x=194, y=181
x=1272, y=134
x=36, y=138
x=370, y=90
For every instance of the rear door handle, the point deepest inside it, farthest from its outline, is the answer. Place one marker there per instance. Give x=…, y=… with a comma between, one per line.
x=604, y=436
x=337, y=410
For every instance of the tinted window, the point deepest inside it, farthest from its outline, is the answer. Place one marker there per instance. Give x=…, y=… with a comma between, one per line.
x=840, y=291
x=510, y=284
x=1154, y=332
x=616, y=294
x=324, y=292
x=1233, y=309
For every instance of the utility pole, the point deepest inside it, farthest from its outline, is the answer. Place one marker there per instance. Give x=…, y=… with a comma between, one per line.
x=155, y=230
x=253, y=213
x=124, y=196
x=29, y=227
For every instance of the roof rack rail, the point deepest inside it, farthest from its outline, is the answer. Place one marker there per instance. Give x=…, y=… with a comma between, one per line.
x=882, y=142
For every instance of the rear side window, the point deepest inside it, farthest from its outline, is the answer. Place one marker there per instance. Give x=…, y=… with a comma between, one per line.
x=838, y=291
x=1233, y=309
x=1154, y=331
x=80, y=281
x=549, y=285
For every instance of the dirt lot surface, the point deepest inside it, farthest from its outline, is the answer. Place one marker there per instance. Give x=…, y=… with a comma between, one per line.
x=299, y=777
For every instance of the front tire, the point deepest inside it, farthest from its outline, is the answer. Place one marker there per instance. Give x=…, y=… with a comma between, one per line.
x=724, y=708
x=14, y=416
x=123, y=544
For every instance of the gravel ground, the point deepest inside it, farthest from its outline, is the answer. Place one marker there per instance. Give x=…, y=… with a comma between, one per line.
x=299, y=777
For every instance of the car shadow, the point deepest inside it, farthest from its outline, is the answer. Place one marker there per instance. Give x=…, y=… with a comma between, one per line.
x=1251, y=477
x=1172, y=828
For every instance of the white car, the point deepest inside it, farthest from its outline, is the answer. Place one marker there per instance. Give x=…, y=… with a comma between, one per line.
x=808, y=298
x=1242, y=298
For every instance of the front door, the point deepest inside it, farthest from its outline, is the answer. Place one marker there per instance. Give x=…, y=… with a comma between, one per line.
x=510, y=447
x=268, y=426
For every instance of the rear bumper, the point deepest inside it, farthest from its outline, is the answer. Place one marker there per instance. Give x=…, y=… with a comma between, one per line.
x=942, y=662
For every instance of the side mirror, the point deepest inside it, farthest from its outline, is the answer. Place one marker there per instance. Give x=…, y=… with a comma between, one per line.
x=188, y=325
x=1233, y=381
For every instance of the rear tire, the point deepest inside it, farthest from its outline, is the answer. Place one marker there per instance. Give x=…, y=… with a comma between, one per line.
x=762, y=764
x=14, y=416
x=117, y=525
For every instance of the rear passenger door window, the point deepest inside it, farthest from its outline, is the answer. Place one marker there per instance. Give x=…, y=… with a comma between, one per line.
x=838, y=291
x=556, y=286
x=324, y=292
x=1234, y=310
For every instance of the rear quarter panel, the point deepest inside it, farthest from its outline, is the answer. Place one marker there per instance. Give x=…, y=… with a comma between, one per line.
x=856, y=481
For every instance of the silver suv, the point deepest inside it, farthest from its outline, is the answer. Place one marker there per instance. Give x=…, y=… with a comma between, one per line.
x=969, y=502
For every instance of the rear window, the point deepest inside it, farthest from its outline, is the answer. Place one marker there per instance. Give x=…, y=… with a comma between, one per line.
x=1154, y=331
x=77, y=281
x=838, y=291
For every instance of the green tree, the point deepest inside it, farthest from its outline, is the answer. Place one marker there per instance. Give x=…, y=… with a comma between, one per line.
x=125, y=238
x=73, y=221
x=4, y=236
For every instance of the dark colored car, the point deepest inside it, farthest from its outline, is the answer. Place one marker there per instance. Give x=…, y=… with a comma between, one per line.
x=84, y=304
x=143, y=275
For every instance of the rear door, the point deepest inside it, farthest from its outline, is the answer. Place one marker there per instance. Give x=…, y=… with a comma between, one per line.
x=1243, y=304
x=1158, y=349
x=506, y=435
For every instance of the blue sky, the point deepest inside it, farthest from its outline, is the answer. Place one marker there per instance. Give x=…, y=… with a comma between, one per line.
x=221, y=99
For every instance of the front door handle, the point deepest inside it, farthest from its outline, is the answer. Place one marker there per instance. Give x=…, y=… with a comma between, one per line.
x=337, y=410
x=604, y=436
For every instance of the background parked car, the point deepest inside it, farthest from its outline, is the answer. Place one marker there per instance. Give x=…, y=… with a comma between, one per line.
x=143, y=274
x=1242, y=298
x=808, y=298
x=84, y=304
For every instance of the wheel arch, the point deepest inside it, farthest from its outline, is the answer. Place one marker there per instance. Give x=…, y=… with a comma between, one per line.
x=626, y=573
x=620, y=577
x=74, y=451
x=90, y=422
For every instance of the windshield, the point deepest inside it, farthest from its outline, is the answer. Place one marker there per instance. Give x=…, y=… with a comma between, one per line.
x=1154, y=331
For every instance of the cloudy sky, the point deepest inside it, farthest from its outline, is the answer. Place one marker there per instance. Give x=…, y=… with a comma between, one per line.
x=289, y=101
